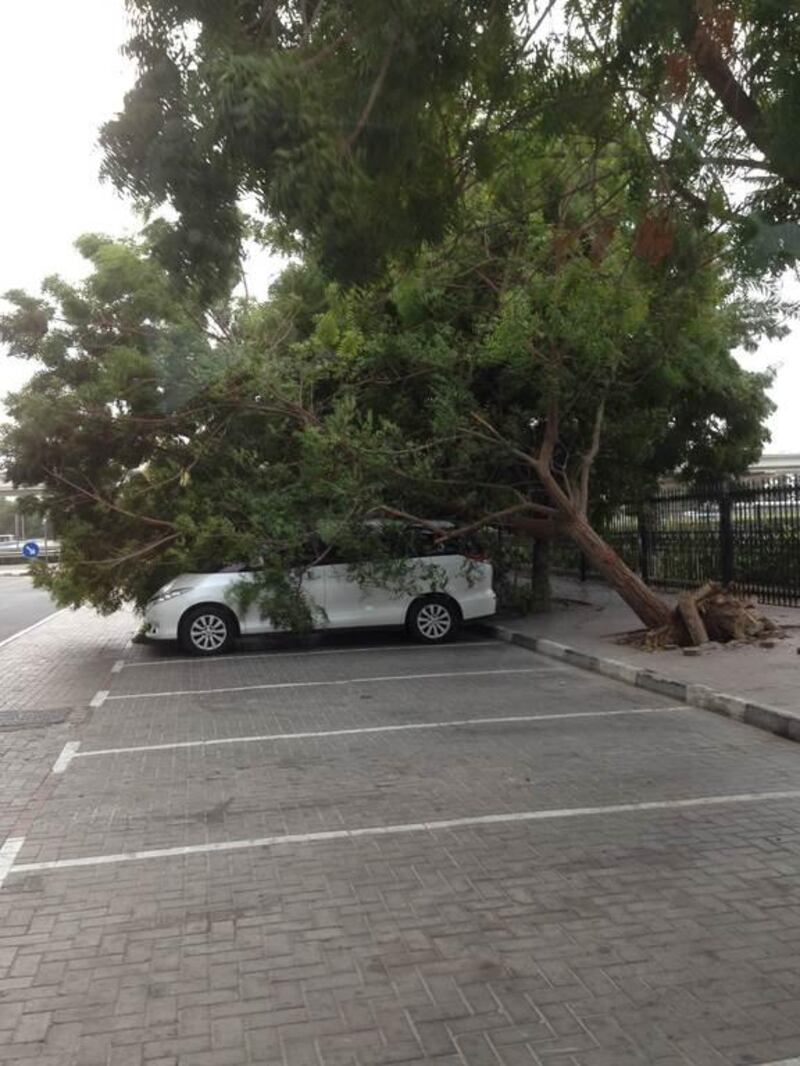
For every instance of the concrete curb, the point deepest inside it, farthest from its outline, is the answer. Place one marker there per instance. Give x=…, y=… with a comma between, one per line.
x=772, y=719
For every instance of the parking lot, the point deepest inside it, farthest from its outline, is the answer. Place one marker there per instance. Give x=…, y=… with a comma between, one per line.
x=367, y=851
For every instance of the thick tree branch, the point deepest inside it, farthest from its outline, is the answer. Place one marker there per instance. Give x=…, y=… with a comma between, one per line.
x=717, y=74
x=589, y=458
x=394, y=512
x=119, y=559
x=545, y=456
x=537, y=528
x=159, y=523
x=373, y=96
x=495, y=516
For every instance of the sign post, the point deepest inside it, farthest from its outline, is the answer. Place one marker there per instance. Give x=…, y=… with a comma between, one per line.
x=30, y=550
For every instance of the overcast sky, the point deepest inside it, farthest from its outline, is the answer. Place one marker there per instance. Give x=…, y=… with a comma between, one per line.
x=61, y=76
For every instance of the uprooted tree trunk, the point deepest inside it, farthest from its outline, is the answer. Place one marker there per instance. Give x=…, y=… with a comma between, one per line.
x=646, y=604
x=711, y=613
x=569, y=509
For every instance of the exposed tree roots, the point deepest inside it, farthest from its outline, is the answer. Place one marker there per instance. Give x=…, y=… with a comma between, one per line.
x=714, y=614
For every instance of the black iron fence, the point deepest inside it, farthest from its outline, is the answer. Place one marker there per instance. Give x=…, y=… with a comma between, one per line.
x=747, y=533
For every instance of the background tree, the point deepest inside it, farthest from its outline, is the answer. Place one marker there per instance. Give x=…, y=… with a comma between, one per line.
x=359, y=126
x=721, y=83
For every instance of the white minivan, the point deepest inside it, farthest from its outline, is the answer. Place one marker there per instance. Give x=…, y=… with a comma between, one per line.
x=443, y=586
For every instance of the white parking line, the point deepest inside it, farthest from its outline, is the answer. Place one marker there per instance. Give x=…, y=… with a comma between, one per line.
x=8, y=852
x=68, y=753
x=319, y=684
x=248, y=657
x=405, y=727
x=30, y=629
x=118, y=666
x=410, y=827
x=99, y=698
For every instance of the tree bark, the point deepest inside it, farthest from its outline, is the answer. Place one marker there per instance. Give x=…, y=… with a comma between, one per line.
x=737, y=102
x=645, y=604
x=690, y=616
x=539, y=528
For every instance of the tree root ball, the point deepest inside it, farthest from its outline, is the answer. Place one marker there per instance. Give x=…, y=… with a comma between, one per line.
x=713, y=614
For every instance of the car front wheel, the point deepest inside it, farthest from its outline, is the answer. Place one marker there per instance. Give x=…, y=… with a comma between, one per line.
x=434, y=620
x=207, y=630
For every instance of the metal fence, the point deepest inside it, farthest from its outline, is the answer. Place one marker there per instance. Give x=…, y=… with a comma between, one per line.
x=746, y=533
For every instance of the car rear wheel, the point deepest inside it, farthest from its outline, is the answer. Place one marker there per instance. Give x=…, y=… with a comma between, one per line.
x=434, y=620
x=207, y=630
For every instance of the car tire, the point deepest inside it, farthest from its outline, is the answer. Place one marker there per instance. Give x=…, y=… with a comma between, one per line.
x=207, y=630
x=434, y=619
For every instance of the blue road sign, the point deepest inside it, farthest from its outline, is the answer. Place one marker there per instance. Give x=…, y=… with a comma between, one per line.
x=30, y=550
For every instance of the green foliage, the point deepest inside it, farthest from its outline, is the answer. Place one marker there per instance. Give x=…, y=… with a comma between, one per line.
x=166, y=446
x=487, y=226
x=360, y=127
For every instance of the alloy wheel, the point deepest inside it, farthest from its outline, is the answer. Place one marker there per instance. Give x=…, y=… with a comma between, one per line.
x=208, y=632
x=434, y=621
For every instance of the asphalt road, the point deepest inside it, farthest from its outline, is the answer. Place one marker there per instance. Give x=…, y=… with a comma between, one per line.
x=367, y=852
x=21, y=605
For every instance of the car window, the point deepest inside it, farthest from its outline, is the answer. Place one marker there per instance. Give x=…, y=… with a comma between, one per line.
x=426, y=543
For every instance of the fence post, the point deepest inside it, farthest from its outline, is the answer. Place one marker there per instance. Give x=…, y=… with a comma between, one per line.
x=726, y=547
x=643, y=528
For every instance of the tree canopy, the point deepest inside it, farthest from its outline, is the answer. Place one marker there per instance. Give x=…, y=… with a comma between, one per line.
x=173, y=439
x=360, y=127
x=521, y=270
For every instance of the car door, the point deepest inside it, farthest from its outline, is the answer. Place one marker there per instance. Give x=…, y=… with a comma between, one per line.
x=313, y=587
x=350, y=602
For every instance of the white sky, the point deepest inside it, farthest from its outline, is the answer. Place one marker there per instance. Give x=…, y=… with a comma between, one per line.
x=61, y=77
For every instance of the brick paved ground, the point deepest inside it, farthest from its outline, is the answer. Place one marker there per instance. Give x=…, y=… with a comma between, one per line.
x=661, y=936
x=47, y=679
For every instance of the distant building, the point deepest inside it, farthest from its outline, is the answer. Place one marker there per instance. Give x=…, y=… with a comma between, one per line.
x=777, y=468
x=779, y=463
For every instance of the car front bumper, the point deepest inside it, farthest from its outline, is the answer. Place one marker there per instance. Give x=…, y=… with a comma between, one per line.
x=161, y=620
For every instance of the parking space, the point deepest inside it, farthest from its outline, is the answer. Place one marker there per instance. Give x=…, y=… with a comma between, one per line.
x=271, y=670
x=303, y=708
x=362, y=853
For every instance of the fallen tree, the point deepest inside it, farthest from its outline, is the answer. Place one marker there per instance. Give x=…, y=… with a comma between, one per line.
x=170, y=438
x=713, y=613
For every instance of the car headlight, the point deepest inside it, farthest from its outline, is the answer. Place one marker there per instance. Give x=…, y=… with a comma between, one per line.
x=162, y=597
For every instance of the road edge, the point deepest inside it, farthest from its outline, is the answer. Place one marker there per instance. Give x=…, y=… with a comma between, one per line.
x=775, y=720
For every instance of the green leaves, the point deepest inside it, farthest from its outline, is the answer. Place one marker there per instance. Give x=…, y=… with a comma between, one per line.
x=475, y=216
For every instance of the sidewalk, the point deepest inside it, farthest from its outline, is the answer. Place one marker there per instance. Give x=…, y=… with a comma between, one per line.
x=590, y=617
